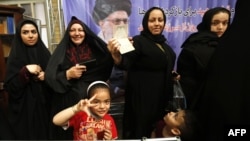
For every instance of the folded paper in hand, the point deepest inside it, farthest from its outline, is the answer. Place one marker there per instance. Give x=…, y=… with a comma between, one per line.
x=120, y=32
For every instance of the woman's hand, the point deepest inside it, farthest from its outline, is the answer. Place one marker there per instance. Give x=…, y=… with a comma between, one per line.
x=114, y=49
x=41, y=75
x=176, y=76
x=34, y=69
x=75, y=71
x=37, y=71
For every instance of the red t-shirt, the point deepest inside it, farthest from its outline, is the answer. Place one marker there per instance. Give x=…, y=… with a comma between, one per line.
x=88, y=128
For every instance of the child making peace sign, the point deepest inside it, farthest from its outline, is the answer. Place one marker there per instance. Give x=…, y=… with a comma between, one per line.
x=89, y=117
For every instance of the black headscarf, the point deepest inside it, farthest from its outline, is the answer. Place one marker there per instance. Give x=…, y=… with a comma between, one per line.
x=227, y=89
x=28, y=101
x=204, y=33
x=156, y=38
x=69, y=92
x=105, y=7
x=104, y=59
x=21, y=54
x=205, y=24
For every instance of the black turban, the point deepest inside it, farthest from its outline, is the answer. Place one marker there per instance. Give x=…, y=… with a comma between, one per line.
x=105, y=7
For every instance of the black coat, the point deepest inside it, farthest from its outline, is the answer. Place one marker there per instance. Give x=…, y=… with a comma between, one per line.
x=226, y=96
x=29, y=100
x=68, y=93
x=149, y=81
x=192, y=64
x=149, y=85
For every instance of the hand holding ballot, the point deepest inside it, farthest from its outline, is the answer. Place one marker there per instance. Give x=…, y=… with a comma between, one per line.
x=114, y=49
x=120, y=43
x=120, y=32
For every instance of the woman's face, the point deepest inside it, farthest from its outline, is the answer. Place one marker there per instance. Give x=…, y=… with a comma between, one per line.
x=156, y=22
x=29, y=34
x=219, y=23
x=102, y=102
x=77, y=34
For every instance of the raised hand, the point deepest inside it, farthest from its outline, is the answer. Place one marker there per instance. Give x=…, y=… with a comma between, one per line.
x=84, y=105
x=114, y=49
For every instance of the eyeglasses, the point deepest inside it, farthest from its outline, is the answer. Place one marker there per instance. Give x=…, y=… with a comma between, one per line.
x=118, y=21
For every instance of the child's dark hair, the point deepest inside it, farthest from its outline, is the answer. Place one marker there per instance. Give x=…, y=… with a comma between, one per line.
x=191, y=128
x=94, y=85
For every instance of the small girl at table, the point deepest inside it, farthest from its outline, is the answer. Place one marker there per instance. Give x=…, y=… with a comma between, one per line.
x=89, y=117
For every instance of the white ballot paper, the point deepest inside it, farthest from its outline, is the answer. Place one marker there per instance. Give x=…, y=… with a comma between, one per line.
x=120, y=32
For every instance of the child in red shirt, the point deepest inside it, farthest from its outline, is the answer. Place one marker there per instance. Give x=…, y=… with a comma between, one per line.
x=89, y=117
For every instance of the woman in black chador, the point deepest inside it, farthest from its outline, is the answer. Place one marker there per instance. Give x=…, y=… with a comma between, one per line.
x=149, y=82
x=28, y=92
x=66, y=74
x=226, y=97
x=197, y=50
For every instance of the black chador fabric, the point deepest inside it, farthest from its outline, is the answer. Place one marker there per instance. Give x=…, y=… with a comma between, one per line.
x=193, y=60
x=69, y=92
x=149, y=82
x=28, y=101
x=226, y=96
